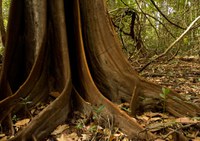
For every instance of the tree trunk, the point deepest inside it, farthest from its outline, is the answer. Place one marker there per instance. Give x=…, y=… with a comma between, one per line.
x=52, y=39
x=2, y=27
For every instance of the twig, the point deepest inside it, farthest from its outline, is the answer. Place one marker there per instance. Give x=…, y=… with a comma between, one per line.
x=176, y=130
x=175, y=54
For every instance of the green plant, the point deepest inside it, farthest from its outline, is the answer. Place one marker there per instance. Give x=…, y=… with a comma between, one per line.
x=26, y=102
x=97, y=111
x=126, y=109
x=93, y=128
x=15, y=118
x=164, y=96
x=1, y=50
x=80, y=124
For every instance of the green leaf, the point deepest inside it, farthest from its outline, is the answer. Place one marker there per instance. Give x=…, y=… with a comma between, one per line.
x=163, y=96
x=100, y=109
x=165, y=91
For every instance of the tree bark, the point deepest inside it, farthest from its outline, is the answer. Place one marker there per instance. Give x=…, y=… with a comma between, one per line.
x=2, y=27
x=53, y=39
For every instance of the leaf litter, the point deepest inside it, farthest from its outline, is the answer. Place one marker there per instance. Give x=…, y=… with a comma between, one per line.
x=182, y=76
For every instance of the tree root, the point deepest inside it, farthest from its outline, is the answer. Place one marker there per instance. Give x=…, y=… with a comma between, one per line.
x=111, y=69
x=52, y=116
x=94, y=96
x=101, y=74
x=57, y=112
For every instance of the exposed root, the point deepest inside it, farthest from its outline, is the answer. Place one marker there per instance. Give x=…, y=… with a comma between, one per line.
x=52, y=116
x=101, y=74
x=113, y=71
x=57, y=112
x=94, y=96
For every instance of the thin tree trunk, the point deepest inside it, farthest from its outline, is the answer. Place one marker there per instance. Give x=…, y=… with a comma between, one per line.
x=2, y=27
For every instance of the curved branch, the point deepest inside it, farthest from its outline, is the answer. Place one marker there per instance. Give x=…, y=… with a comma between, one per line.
x=124, y=3
x=154, y=19
x=165, y=16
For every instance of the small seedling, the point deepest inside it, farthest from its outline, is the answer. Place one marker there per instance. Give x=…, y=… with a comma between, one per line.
x=93, y=128
x=26, y=102
x=80, y=124
x=164, y=96
x=98, y=111
x=15, y=118
x=126, y=109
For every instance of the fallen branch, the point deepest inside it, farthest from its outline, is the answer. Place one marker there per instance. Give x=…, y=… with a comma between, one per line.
x=156, y=57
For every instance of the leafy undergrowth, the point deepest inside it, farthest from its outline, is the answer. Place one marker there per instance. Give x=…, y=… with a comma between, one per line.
x=180, y=75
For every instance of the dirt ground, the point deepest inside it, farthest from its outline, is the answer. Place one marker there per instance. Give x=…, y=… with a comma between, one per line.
x=181, y=75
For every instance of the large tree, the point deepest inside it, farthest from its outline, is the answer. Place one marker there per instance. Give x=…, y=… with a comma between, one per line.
x=70, y=49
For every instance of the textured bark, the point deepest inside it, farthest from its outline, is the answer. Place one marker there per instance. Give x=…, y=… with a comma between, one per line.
x=2, y=27
x=94, y=96
x=50, y=40
x=115, y=77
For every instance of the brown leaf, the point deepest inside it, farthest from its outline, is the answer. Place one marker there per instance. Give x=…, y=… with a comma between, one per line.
x=68, y=137
x=2, y=135
x=22, y=122
x=186, y=120
x=4, y=139
x=60, y=129
x=196, y=139
x=86, y=137
x=158, y=126
x=55, y=94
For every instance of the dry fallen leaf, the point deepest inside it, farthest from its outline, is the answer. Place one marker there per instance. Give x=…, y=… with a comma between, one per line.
x=22, y=122
x=55, y=94
x=86, y=137
x=125, y=139
x=4, y=139
x=143, y=118
x=158, y=126
x=156, y=119
x=159, y=140
x=60, y=129
x=62, y=138
x=196, y=139
x=151, y=114
x=2, y=135
x=186, y=120
x=68, y=137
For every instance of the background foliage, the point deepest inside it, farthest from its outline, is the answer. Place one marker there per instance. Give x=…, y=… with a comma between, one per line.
x=153, y=32
x=158, y=23
x=5, y=11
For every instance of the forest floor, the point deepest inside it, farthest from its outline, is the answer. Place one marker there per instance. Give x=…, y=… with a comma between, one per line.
x=181, y=75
